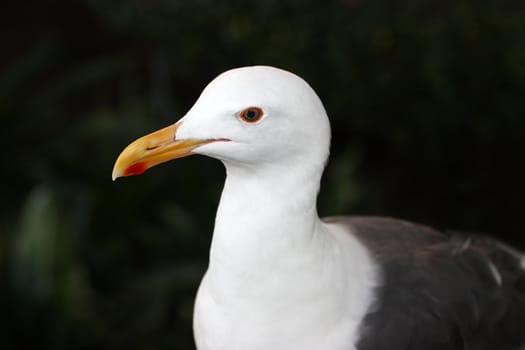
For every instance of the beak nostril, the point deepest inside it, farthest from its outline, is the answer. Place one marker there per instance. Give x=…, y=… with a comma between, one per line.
x=151, y=148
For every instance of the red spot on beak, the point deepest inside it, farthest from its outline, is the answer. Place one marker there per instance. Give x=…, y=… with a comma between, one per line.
x=135, y=169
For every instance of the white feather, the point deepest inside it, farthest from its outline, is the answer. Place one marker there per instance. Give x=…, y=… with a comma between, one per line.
x=278, y=277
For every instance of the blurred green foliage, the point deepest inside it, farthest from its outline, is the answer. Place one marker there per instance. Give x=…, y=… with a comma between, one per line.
x=427, y=107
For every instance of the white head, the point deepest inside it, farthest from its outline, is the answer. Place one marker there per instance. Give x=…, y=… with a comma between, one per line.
x=247, y=117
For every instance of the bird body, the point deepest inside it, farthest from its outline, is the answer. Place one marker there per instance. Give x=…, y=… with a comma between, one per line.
x=279, y=277
x=265, y=285
x=440, y=290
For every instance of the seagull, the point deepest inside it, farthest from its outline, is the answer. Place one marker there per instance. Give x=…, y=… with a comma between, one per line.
x=280, y=277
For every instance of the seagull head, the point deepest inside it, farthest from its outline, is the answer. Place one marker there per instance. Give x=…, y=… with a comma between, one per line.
x=251, y=117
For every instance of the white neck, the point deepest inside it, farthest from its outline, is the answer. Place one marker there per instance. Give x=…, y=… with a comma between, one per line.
x=274, y=266
x=259, y=220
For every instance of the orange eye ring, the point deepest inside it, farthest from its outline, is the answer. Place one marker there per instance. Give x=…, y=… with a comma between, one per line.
x=251, y=114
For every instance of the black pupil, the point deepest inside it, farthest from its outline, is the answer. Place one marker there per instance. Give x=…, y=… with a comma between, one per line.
x=251, y=114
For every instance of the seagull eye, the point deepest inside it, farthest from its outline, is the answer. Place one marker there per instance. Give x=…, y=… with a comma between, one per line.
x=251, y=114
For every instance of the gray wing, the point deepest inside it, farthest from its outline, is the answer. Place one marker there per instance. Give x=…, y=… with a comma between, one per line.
x=440, y=290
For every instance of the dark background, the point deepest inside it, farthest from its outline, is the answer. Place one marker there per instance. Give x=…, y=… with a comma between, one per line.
x=426, y=99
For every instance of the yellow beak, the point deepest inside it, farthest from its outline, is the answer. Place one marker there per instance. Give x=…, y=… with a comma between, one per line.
x=155, y=148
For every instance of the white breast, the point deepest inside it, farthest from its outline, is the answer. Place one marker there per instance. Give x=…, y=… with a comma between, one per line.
x=308, y=300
